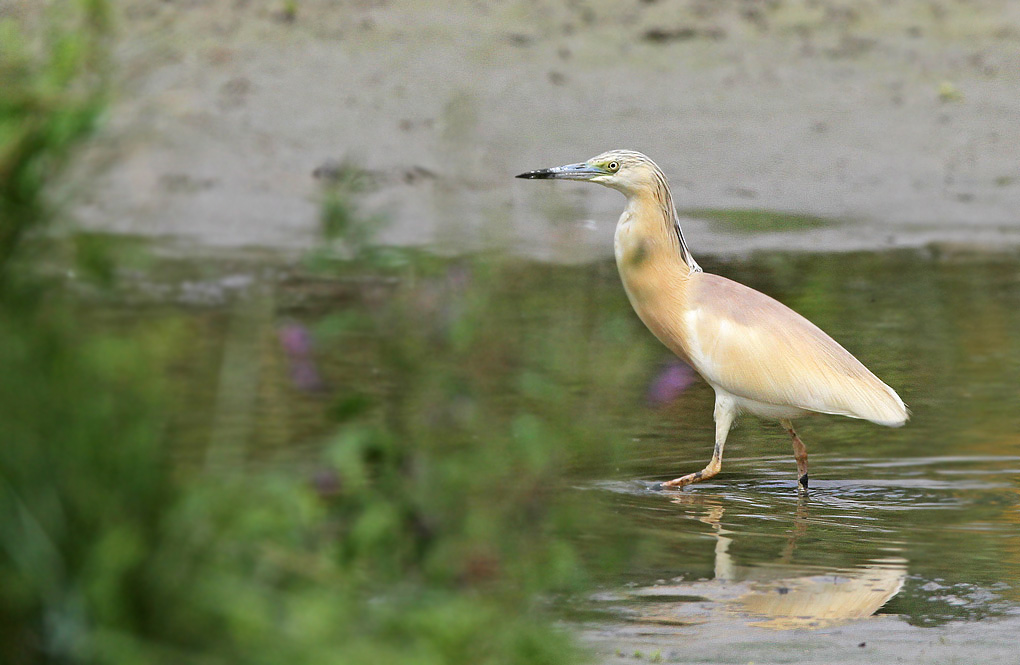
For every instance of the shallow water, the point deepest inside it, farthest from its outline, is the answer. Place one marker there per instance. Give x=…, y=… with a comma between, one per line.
x=920, y=525
x=917, y=528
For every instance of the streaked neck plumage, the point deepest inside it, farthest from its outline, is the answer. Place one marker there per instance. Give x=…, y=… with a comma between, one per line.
x=650, y=208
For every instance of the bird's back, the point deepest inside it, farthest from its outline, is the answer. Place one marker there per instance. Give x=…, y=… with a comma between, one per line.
x=755, y=347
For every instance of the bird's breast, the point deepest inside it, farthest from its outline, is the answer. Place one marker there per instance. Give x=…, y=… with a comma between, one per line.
x=635, y=250
x=621, y=239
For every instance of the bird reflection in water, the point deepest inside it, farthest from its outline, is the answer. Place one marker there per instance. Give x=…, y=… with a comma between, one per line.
x=768, y=595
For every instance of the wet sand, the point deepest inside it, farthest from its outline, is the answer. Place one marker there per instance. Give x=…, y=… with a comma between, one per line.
x=901, y=119
x=882, y=639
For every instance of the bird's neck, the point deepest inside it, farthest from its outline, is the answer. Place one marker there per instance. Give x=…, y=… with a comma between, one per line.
x=654, y=266
x=651, y=213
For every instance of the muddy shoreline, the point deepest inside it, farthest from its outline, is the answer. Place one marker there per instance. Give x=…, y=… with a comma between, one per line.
x=902, y=120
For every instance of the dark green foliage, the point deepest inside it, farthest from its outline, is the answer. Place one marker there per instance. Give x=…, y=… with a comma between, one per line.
x=82, y=487
x=81, y=484
x=435, y=526
x=52, y=89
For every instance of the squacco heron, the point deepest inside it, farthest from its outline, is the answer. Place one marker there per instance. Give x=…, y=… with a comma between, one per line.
x=759, y=356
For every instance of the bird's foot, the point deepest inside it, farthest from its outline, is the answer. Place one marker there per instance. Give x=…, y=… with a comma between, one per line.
x=803, y=483
x=689, y=479
x=665, y=486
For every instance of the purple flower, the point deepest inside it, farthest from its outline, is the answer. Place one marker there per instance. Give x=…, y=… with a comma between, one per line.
x=298, y=347
x=670, y=383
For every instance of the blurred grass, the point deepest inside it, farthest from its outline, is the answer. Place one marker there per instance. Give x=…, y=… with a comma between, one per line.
x=435, y=528
x=52, y=89
x=740, y=220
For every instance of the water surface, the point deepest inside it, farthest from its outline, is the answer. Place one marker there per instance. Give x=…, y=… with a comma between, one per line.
x=908, y=542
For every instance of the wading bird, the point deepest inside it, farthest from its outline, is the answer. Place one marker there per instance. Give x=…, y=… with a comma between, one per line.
x=759, y=356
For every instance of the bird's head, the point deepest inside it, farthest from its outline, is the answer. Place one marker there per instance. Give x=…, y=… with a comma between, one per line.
x=625, y=170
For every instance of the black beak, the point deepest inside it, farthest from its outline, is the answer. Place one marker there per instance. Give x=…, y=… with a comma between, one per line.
x=569, y=172
x=540, y=174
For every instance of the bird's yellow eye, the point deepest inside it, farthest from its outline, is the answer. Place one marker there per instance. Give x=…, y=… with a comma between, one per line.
x=613, y=166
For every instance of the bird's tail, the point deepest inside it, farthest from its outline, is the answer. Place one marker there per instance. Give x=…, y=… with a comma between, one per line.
x=884, y=407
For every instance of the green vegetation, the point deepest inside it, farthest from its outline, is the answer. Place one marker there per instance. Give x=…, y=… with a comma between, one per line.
x=52, y=89
x=433, y=525
x=420, y=491
x=290, y=10
x=738, y=220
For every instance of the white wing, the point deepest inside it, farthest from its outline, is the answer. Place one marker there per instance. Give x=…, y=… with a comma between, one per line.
x=755, y=347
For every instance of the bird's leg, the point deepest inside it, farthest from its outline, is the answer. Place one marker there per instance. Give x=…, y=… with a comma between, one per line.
x=799, y=453
x=725, y=410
